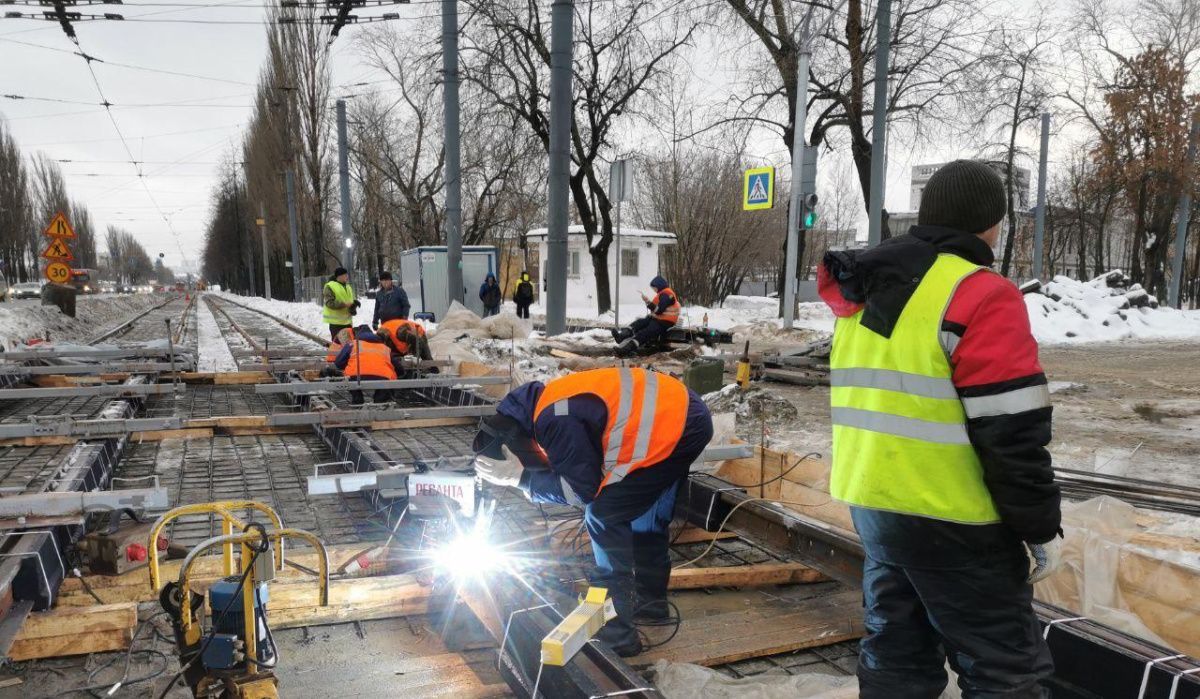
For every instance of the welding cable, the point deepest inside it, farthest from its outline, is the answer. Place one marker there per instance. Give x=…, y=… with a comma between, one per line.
x=674, y=620
x=725, y=521
x=270, y=640
x=125, y=681
x=806, y=457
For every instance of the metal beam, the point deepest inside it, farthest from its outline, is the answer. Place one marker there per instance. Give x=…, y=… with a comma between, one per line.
x=341, y=384
x=77, y=369
x=77, y=503
x=65, y=426
x=1090, y=658
x=104, y=391
x=76, y=352
x=364, y=417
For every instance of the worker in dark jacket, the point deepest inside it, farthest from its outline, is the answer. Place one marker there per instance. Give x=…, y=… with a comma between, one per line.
x=941, y=417
x=664, y=313
x=391, y=302
x=367, y=357
x=616, y=442
x=523, y=295
x=489, y=293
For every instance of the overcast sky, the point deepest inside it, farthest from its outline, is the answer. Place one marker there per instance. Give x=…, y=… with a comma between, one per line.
x=198, y=116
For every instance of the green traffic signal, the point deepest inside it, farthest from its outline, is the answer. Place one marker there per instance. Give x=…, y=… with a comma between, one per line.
x=810, y=219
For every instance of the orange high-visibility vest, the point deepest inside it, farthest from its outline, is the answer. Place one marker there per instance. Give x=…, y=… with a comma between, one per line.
x=370, y=359
x=334, y=350
x=646, y=412
x=394, y=327
x=671, y=314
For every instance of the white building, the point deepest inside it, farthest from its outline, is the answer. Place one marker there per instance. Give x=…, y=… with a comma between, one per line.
x=639, y=263
x=921, y=173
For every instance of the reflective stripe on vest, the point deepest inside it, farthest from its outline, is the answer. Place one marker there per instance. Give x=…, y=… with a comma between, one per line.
x=900, y=440
x=370, y=359
x=343, y=293
x=671, y=313
x=646, y=412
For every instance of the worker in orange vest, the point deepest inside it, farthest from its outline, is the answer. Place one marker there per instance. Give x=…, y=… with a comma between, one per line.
x=616, y=442
x=664, y=313
x=406, y=337
x=367, y=357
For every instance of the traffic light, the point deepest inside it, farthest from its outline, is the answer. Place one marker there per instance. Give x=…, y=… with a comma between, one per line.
x=808, y=188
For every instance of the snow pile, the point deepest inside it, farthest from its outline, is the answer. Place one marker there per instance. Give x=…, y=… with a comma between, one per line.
x=754, y=404
x=461, y=321
x=1104, y=309
x=24, y=320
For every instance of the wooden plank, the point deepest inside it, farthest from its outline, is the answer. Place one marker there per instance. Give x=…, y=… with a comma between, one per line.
x=744, y=576
x=691, y=535
x=565, y=541
x=74, y=644
x=423, y=422
x=765, y=630
x=66, y=622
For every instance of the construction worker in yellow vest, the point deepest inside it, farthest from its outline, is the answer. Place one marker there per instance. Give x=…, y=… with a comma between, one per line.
x=941, y=417
x=338, y=302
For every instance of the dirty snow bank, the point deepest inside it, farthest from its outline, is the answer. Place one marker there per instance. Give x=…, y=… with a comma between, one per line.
x=213, y=350
x=1104, y=309
x=21, y=321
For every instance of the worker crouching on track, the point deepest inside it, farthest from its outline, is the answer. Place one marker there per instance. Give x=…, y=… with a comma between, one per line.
x=941, y=417
x=664, y=313
x=407, y=339
x=618, y=443
x=366, y=356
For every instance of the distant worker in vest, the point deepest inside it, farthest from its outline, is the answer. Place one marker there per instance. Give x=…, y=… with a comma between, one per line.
x=365, y=356
x=523, y=295
x=664, y=313
x=339, y=302
x=407, y=339
x=617, y=443
x=391, y=301
x=489, y=294
x=941, y=417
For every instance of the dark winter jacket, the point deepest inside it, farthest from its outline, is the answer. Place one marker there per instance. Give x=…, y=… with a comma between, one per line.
x=572, y=440
x=390, y=305
x=986, y=333
x=524, y=291
x=489, y=292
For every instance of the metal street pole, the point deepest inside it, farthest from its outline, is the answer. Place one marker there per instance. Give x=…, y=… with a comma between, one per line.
x=290, y=182
x=237, y=217
x=1039, y=225
x=454, y=279
x=798, y=143
x=562, y=16
x=1182, y=216
x=618, y=180
x=883, y=46
x=262, y=231
x=344, y=175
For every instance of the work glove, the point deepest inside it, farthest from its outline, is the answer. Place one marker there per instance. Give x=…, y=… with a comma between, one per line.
x=506, y=471
x=354, y=307
x=1047, y=558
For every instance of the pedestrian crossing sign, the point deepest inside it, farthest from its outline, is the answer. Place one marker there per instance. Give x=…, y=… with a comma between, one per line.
x=758, y=189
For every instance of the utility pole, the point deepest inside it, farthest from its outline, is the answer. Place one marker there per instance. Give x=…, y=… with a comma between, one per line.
x=883, y=47
x=1039, y=225
x=262, y=230
x=344, y=175
x=454, y=279
x=799, y=128
x=237, y=215
x=290, y=183
x=1182, y=217
x=562, y=16
x=620, y=182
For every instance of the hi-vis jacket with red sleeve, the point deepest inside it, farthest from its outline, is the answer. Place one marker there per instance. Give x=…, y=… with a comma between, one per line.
x=597, y=427
x=994, y=358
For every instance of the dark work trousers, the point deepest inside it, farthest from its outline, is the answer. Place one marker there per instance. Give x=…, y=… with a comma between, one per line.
x=628, y=523
x=523, y=309
x=648, y=329
x=379, y=395
x=335, y=329
x=972, y=608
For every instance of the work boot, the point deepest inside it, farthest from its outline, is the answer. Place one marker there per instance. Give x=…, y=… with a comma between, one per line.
x=621, y=334
x=627, y=348
x=651, y=611
x=621, y=637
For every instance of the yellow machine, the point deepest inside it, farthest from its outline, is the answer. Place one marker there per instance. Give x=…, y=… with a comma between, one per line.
x=236, y=657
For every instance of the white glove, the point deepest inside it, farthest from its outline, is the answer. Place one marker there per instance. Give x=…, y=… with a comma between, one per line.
x=506, y=471
x=1047, y=558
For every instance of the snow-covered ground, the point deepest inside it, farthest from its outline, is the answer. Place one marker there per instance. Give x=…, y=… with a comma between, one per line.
x=1069, y=311
x=24, y=320
x=211, y=346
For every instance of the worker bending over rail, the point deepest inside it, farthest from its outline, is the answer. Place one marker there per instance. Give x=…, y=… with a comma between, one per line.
x=406, y=338
x=941, y=417
x=664, y=313
x=364, y=355
x=616, y=442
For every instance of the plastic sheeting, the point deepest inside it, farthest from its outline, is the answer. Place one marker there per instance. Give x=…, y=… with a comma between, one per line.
x=1134, y=570
x=460, y=321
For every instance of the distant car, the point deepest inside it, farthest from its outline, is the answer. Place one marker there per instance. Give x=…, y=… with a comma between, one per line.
x=27, y=290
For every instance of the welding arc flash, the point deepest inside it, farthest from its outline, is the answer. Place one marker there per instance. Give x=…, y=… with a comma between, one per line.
x=470, y=555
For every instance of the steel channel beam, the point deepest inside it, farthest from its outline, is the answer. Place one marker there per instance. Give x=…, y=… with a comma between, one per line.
x=82, y=353
x=87, y=369
x=101, y=391
x=82, y=503
x=62, y=426
x=364, y=417
x=1091, y=659
x=309, y=387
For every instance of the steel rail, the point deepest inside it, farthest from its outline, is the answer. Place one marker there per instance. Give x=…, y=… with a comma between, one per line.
x=324, y=343
x=342, y=384
x=127, y=325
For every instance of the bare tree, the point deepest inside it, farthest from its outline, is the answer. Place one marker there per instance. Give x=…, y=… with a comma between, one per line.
x=16, y=211
x=622, y=49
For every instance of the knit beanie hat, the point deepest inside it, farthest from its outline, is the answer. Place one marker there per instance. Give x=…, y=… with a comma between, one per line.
x=339, y=272
x=966, y=195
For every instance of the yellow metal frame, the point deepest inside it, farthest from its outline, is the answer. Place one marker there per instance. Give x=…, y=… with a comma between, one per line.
x=229, y=522
x=186, y=620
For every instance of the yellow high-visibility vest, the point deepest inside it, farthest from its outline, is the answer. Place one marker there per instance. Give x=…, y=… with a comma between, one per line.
x=343, y=293
x=900, y=439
